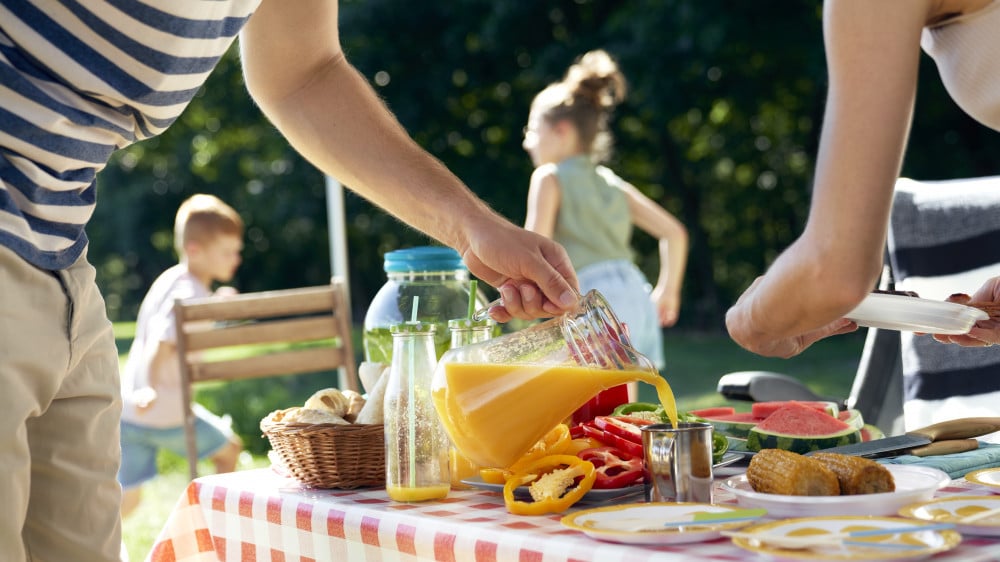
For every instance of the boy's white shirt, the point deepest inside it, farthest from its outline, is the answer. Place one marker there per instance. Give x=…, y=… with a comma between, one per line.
x=156, y=324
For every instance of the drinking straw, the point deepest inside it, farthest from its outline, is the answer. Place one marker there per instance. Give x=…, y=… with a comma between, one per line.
x=411, y=400
x=472, y=298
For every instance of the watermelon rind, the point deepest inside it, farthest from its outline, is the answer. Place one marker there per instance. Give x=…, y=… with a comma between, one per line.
x=852, y=418
x=870, y=432
x=759, y=439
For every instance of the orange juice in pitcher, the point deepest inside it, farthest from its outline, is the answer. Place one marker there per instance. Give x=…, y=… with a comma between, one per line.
x=497, y=398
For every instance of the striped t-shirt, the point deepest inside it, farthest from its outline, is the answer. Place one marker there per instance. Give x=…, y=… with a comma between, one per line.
x=79, y=79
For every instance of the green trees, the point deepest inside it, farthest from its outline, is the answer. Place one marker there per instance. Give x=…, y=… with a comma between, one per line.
x=720, y=127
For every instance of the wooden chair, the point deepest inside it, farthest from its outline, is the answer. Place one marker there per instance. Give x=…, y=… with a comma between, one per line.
x=278, y=320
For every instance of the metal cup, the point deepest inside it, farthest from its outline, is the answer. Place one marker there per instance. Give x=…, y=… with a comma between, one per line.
x=678, y=462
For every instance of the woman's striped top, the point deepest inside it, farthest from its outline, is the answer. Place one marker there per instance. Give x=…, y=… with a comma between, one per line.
x=79, y=79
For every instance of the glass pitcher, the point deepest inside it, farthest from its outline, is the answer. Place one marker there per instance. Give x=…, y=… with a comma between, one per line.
x=497, y=398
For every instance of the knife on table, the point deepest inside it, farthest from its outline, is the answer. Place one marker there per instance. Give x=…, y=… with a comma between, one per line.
x=953, y=436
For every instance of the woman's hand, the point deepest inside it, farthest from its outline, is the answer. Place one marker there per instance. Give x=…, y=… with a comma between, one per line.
x=986, y=332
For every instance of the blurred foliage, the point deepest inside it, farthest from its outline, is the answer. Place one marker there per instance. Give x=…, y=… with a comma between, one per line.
x=720, y=127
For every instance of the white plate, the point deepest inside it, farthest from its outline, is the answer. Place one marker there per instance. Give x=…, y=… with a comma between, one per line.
x=933, y=541
x=985, y=477
x=592, y=496
x=953, y=509
x=616, y=523
x=913, y=314
x=913, y=484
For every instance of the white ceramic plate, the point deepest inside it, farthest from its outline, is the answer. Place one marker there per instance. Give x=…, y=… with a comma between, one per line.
x=636, y=523
x=593, y=496
x=930, y=542
x=953, y=509
x=913, y=484
x=912, y=314
x=985, y=477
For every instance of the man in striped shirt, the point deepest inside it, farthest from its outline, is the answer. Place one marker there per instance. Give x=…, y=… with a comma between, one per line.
x=81, y=78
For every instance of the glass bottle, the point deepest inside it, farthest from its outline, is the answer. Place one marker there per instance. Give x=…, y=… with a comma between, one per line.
x=465, y=331
x=416, y=445
x=434, y=275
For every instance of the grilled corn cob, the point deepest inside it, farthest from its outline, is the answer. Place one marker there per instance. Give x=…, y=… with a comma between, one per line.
x=857, y=475
x=775, y=471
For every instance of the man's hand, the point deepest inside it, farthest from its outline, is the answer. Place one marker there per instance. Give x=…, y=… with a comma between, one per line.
x=532, y=273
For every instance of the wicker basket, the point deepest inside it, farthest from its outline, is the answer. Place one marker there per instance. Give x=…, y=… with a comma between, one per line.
x=329, y=455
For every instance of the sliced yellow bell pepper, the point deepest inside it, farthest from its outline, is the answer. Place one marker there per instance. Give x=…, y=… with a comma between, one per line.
x=494, y=475
x=552, y=484
x=557, y=441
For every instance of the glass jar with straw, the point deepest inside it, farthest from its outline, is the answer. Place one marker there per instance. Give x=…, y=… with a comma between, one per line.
x=416, y=455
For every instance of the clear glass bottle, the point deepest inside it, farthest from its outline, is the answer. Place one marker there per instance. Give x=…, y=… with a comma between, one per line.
x=465, y=331
x=416, y=445
x=437, y=277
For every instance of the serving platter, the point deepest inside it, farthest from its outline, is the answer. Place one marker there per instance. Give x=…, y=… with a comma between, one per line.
x=954, y=509
x=651, y=523
x=913, y=484
x=902, y=546
x=914, y=314
x=594, y=495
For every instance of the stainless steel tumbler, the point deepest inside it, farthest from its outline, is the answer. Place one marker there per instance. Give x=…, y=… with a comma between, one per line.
x=678, y=462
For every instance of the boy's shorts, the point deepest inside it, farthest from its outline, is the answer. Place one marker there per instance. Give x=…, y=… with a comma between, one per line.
x=140, y=444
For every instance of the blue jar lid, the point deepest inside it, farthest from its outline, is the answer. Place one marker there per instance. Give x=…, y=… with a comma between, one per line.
x=423, y=258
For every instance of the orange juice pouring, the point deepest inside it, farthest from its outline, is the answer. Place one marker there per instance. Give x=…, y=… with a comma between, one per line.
x=497, y=398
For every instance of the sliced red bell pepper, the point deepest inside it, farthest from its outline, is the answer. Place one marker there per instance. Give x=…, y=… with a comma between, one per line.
x=622, y=444
x=618, y=426
x=594, y=432
x=615, y=468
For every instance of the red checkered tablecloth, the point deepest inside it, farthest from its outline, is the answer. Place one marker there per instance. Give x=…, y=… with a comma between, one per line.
x=257, y=515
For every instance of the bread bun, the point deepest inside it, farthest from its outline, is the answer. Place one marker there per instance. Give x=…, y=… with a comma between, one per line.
x=330, y=399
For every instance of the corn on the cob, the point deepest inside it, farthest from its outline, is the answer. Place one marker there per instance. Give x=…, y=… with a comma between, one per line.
x=775, y=471
x=857, y=475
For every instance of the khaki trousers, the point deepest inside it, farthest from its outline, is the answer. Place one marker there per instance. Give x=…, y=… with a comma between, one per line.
x=59, y=416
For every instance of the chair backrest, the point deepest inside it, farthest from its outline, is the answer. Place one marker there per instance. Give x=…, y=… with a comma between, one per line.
x=281, y=332
x=944, y=238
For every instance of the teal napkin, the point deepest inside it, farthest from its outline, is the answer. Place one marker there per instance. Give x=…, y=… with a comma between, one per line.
x=957, y=465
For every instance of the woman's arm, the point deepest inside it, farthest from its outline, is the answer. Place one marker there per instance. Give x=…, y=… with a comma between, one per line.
x=673, y=245
x=296, y=71
x=873, y=51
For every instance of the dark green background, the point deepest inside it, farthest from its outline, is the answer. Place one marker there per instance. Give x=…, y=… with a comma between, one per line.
x=720, y=127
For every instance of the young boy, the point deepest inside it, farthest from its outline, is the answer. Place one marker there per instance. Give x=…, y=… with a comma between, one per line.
x=208, y=237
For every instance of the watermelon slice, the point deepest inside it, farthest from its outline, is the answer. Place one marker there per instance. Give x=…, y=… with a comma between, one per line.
x=801, y=428
x=852, y=417
x=764, y=409
x=712, y=412
x=733, y=425
x=869, y=432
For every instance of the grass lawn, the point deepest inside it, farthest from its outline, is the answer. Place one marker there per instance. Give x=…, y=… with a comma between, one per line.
x=694, y=365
